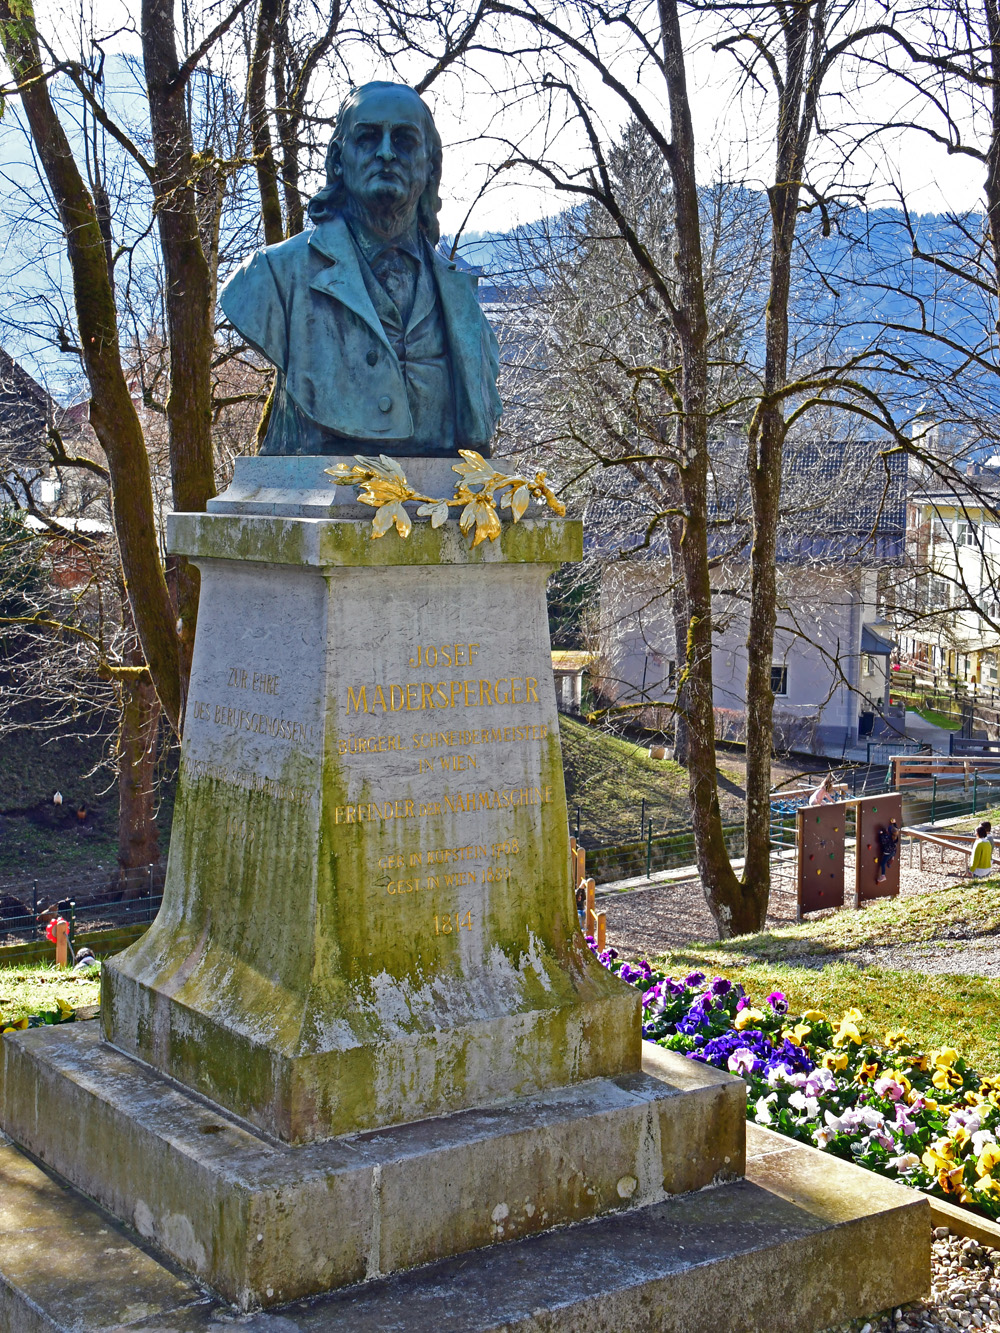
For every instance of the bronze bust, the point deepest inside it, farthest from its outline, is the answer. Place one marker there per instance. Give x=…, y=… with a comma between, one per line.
x=377, y=339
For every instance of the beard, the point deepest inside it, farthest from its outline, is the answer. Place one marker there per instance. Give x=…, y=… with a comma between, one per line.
x=386, y=208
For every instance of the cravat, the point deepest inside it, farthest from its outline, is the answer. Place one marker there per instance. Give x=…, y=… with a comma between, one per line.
x=396, y=272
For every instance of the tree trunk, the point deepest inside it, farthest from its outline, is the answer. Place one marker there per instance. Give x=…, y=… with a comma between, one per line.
x=112, y=412
x=679, y=613
x=690, y=319
x=766, y=444
x=260, y=134
x=138, y=837
x=189, y=300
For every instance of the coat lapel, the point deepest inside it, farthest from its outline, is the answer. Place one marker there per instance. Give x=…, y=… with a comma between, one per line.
x=463, y=327
x=342, y=279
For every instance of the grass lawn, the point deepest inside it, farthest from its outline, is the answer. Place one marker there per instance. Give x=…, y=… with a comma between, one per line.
x=608, y=778
x=31, y=988
x=936, y=1010
x=940, y=1010
x=939, y=719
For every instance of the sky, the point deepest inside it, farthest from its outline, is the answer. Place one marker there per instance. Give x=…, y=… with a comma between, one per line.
x=480, y=118
x=732, y=139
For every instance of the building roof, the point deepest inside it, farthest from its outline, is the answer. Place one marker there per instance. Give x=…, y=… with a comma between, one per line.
x=875, y=643
x=571, y=659
x=26, y=412
x=842, y=502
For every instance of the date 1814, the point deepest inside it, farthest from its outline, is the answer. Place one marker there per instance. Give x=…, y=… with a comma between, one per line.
x=452, y=923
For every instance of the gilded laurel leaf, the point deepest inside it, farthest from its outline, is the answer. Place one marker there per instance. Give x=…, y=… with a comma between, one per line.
x=389, y=514
x=436, y=510
x=480, y=514
x=382, y=490
x=381, y=483
x=476, y=470
x=519, y=502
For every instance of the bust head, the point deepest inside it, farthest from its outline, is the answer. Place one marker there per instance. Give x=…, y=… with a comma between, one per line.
x=384, y=162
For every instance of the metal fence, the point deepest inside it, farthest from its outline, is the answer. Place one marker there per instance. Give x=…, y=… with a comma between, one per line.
x=665, y=851
x=94, y=900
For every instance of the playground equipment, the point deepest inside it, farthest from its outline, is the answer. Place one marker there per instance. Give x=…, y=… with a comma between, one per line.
x=810, y=841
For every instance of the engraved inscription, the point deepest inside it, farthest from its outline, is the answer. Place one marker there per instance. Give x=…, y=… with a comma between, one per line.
x=444, y=654
x=247, y=780
x=460, y=802
x=441, y=856
x=261, y=682
x=433, y=740
x=443, y=924
x=505, y=691
x=261, y=724
x=240, y=828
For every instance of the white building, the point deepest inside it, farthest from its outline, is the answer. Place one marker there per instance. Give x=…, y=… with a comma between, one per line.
x=949, y=608
x=830, y=664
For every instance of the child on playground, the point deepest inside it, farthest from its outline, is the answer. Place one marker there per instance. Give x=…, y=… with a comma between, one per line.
x=824, y=792
x=888, y=842
x=981, y=857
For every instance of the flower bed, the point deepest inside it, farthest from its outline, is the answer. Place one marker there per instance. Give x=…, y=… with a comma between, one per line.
x=64, y=1012
x=924, y=1118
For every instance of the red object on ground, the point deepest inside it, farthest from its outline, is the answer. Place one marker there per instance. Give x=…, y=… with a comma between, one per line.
x=50, y=929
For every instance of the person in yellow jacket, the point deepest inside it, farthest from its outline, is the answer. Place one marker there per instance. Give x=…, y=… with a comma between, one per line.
x=981, y=859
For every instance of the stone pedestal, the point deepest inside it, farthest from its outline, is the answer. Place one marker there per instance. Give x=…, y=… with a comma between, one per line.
x=363, y=1070
x=367, y=916
x=265, y=1223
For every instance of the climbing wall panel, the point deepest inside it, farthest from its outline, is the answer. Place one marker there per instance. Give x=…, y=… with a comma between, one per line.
x=874, y=813
x=820, y=838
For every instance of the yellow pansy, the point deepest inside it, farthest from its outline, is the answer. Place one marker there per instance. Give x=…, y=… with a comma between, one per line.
x=895, y=1038
x=847, y=1032
x=866, y=1071
x=973, y=1099
x=900, y=1078
x=945, y=1078
x=988, y=1160
x=853, y=1016
x=814, y=1016
x=797, y=1034
x=944, y=1058
x=747, y=1018
x=919, y=1062
x=831, y=1061
x=961, y=1136
x=940, y=1155
x=986, y=1185
x=951, y=1181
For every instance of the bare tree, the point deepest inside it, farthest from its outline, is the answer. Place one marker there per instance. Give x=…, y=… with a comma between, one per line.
x=637, y=55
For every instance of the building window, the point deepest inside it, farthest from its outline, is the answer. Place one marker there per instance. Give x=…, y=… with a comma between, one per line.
x=671, y=674
x=966, y=534
x=779, y=680
x=869, y=664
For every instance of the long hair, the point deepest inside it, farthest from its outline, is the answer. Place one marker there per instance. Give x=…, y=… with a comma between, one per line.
x=331, y=198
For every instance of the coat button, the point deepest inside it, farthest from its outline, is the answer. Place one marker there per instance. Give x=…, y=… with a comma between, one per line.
x=372, y=357
x=385, y=403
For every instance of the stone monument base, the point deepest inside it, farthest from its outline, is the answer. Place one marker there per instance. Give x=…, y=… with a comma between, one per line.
x=264, y=1223
x=802, y=1243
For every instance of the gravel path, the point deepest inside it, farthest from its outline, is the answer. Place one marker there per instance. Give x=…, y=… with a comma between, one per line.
x=656, y=916
x=965, y=1292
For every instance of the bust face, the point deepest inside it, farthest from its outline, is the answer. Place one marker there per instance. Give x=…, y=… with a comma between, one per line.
x=385, y=159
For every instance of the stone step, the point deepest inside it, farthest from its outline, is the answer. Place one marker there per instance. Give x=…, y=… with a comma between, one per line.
x=263, y=1222
x=806, y=1241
